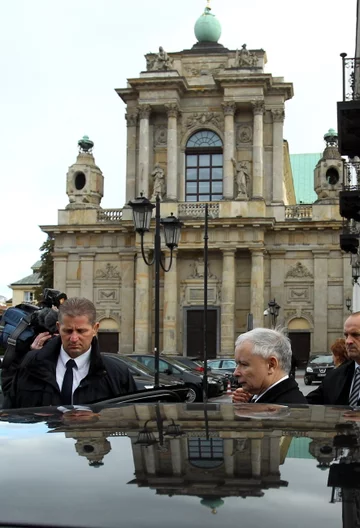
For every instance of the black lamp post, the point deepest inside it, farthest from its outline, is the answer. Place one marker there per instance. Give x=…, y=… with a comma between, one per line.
x=142, y=212
x=273, y=311
x=348, y=304
x=355, y=268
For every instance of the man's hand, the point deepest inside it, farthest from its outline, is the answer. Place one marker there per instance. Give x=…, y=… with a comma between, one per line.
x=40, y=340
x=241, y=396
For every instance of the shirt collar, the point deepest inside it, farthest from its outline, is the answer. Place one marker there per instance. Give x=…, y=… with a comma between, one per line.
x=81, y=361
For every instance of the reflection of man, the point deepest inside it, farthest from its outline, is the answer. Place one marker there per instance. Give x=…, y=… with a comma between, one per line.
x=263, y=358
x=342, y=385
x=69, y=369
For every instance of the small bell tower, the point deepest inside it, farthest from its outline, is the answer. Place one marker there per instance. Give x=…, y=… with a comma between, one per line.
x=328, y=173
x=84, y=180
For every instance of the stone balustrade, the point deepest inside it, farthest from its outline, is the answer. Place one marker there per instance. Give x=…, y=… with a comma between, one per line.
x=298, y=212
x=197, y=210
x=109, y=215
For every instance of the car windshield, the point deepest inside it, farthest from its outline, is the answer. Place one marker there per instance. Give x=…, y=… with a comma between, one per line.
x=137, y=365
x=322, y=359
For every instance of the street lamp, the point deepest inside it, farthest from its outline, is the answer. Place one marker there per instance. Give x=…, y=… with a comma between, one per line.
x=355, y=267
x=348, y=304
x=142, y=212
x=273, y=311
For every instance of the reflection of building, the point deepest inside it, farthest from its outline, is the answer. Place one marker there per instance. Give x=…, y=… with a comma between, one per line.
x=94, y=446
x=212, y=120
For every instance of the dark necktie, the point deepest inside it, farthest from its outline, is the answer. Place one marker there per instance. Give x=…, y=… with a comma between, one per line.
x=66, y=389
x=354, y=396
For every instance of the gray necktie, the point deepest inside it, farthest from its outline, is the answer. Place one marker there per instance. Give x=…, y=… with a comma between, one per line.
x=354, y=396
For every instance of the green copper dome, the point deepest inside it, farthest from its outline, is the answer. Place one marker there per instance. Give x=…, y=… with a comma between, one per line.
x=207, y=27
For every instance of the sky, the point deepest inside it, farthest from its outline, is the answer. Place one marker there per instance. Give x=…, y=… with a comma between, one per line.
x=61, y=61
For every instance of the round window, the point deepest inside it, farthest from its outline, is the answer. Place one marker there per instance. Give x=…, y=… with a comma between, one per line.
x=80, y=180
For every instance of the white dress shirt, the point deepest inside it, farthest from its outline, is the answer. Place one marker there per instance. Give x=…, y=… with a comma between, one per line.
x=79, y=373
x=258, y=396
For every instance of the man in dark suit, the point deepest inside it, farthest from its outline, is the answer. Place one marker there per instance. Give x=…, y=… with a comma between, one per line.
x=342, y=385
x=263, y=358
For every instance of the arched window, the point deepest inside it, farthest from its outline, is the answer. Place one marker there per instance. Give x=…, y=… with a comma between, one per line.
x=204, y=167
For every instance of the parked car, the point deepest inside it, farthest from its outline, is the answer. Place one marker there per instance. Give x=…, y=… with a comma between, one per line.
x=192, y=379
x=318, y=367
x=195, y=363
x=144, y=377
x=225, y=366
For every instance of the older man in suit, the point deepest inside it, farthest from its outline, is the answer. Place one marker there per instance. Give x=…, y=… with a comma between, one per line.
x=263, y=358
x=342, y=385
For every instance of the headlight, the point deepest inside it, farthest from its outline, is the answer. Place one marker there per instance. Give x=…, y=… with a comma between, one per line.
x=309, y=369
x=149, y=386
x=212, y=381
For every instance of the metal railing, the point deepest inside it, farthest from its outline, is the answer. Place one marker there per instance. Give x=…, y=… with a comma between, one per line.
x=298, y=212
x=109, y=215
x=351, y=175
x=351, y=77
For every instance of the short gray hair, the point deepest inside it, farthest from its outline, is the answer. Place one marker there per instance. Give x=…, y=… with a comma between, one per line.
x=266, y=343
x=77, y=306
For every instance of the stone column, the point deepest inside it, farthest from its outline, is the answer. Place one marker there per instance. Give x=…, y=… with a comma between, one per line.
x=87, y=275
x=348, y=289
x=257, y=286
x=127, y=294
x=228, y=303
x=170, y=322
x=229, y=142
x=142, y=306
x=274, y=458
x=131, y=122
x=255, y=457
x=320, y=343
x=143, y=171
x=258, y=150
x=278, y=116
x=277, y=277
x=60, y=271
x=176, y=458
x=172, y=149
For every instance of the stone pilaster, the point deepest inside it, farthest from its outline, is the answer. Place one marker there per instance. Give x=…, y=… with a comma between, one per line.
x=258, y=150
x=348, y=289
x=60, y=271
x=172, y=149
x=320, y=301
x=228, y=303
x=274, y=455
x=277, y=277
x=278, y=116
x=87, y=275
x=257, y=287
x=255, y=457
x=229, y=142
x=131, y=122
x=127, y=293
x=170, y=307
x=144, y=154
x=142, y=306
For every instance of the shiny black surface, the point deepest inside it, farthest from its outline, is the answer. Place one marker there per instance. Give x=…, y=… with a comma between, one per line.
x=176, y=464
x=318, y=367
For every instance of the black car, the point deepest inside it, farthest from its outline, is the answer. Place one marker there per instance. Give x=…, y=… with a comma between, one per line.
x=318, y=367
x=155, y=464
x=224, y=366
x=195, y=363
x=192, y=379
x=144, y=377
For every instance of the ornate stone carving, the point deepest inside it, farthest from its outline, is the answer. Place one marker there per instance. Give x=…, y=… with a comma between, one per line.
x=203, y=69
x=110, y=272
x=199, y=270
x=158, y=176
x=197, y=210
x=144, y=111
x=298, y=271
x=131, y=118
x=172, y=109
x=278, y=115
x=159, y=61
x=107, y=295
x=160, y=135
x=244, y=134
x=245, y=58
x=258, y=107
x=203, y=118
x=229, y=108
x=242, y=179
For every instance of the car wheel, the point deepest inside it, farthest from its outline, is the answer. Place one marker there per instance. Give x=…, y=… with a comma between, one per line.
x=307, y=381
x=193, y=394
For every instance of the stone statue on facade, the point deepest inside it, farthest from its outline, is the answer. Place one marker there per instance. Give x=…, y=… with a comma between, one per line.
x=242, y=179
x=158, y=176
x=244, y=58
x=199, y=270
x=160, y=62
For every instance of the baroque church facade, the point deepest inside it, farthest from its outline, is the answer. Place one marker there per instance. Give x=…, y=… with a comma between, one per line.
x=205, y=125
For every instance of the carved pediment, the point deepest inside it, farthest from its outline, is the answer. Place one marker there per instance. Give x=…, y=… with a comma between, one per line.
x=299, y=271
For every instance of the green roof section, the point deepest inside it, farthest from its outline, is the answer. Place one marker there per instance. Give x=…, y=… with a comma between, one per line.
x=302, y=166
x=299, y=448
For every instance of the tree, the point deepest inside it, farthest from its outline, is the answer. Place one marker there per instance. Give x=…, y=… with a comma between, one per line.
x=46, y=269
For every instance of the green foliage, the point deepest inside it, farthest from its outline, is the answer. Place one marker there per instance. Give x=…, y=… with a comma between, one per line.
x=47, y=267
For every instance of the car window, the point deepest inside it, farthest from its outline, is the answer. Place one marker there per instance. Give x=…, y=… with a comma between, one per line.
x=214, y=364
x=228, y=363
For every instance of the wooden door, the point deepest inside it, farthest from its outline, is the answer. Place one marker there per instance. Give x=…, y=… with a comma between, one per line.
x=109, y=342
x=195, y=333
x=300, y=344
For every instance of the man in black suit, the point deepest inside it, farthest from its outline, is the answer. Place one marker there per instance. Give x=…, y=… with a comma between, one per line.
x=263, y=358
x=342, y=385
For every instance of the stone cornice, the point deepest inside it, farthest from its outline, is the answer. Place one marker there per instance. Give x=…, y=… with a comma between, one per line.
x=154, y=83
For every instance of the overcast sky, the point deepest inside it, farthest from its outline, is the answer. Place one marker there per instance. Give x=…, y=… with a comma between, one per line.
x=60, y=63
